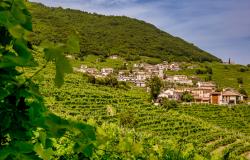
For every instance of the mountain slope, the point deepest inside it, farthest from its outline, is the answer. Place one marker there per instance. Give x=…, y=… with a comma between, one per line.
x=107, y=35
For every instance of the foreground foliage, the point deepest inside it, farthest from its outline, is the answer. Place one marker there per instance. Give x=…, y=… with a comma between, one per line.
x=27, y=128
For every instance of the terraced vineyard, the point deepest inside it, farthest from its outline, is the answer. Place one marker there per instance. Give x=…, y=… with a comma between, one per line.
x=213, y=130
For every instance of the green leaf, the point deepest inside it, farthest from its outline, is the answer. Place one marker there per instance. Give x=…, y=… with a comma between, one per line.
x=24, y=147
x=17, y=31
x=4, y=17
x=62, y=64
x=5, y=152
x=21, y=48
x=137, y=148
x=73, y=44
x=45, y=154
x=88, y=150
x=18, y=14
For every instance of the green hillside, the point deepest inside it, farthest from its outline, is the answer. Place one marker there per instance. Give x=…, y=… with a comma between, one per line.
x=208, y=131
x=108, y=35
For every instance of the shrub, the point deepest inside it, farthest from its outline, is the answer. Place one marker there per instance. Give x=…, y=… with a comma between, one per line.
x=240, y=80
x=243, y=69
x=187, y=97
x=168, y=104
x=128, y=119
x=243, y=91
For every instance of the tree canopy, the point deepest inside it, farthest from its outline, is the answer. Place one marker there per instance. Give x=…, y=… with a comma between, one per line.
x=108, y=35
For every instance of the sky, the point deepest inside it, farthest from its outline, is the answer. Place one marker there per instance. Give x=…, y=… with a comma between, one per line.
x=221, y=27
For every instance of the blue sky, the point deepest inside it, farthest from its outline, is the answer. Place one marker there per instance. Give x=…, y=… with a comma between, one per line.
x=221, y=27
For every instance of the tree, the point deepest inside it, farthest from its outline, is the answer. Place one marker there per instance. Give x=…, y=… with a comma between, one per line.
x=243, y=91
x=240, y=80
x=155, y=85
x=248, y=65
x=187, y=97
x=168, y=104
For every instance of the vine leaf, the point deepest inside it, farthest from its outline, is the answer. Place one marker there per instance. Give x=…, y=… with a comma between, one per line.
x=55, y=53
x=73, y=44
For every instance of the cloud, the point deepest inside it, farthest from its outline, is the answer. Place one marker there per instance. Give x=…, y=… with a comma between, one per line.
x=221, y=27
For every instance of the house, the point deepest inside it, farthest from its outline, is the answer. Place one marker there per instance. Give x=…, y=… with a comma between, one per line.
x=92, y=71
x=180, y=79
x=170, y=94
x=129, y=78
x=227, y=96
x=82, y=69
x=202, y=94
x=206, y=85
x=142, y=76
x=174, y=67
x=107, y=71
x=70, y=57
x=140, y=83
x=149, y=68
x=113, y=57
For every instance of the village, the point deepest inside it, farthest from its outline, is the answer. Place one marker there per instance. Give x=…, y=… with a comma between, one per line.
x=202, y=92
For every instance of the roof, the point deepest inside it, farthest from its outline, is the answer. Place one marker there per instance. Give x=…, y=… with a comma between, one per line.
x=216, y=93
x=230, y=93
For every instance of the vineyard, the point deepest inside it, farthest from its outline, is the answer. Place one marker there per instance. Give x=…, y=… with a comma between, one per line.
x=212, y=130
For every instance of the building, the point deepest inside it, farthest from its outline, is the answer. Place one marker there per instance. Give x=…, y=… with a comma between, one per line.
x=179, y=79
x=206, y=85
x=202, y=94
x=107, y=71
x=113, y=57
x=92, y=71
x=174, y=67
x=142, y=76
x=82, y=69
x=140, y=83
x=226, y=97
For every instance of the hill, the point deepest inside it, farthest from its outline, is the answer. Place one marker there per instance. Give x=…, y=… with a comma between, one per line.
x=108, y=35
